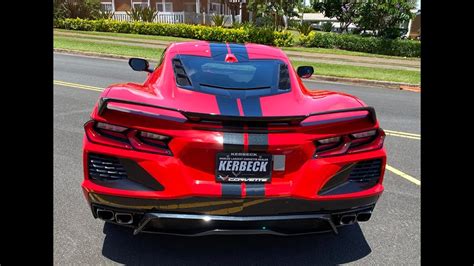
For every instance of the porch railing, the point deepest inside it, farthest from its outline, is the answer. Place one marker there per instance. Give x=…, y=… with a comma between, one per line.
x=170, y=17
x=180, y=17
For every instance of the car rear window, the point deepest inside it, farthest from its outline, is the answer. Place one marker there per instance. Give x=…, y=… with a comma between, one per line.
x=204, y=72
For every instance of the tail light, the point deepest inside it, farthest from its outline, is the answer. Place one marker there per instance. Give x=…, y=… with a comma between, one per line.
x=127, y=138
x=352, y=143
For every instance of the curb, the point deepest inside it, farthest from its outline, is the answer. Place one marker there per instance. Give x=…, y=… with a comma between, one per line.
x=371, y=83
x=366, y=82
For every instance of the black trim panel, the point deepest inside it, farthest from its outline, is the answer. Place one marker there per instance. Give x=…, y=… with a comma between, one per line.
x=139, y=175
x=255, y=190
x=237, y=207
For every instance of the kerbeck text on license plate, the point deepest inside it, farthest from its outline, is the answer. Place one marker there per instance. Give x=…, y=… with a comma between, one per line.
x=243, y=167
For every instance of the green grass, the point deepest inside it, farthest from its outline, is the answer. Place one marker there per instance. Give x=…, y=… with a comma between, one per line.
x=105, y=48
x=342, y=52
x=128, y=35
x=134, y=37
x=320, y=68
x=347, y=71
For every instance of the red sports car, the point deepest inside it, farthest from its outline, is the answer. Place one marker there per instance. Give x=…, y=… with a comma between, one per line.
x=225, y=139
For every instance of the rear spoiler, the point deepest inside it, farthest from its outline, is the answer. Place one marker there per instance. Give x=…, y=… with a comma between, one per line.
x=196, y=117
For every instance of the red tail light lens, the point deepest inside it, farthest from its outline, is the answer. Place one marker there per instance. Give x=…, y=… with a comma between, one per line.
x=102, y=133
x=127, y=138
x=367, y=141
x=352, y=143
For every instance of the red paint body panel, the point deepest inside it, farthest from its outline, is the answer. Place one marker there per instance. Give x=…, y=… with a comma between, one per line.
x=190, y=171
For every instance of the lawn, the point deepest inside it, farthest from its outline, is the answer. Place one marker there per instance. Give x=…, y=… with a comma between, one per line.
x=135, y=37
x=347, y=71
x=335, y=70
x=105, y=48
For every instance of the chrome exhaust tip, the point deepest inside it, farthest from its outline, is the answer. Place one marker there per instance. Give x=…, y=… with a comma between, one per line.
x=123, y=218
x=364, y=216
x=348, y=219
x=105, y=215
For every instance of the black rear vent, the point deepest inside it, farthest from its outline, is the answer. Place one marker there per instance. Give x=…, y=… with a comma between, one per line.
x=353, y=178
x=180, y=73
x=103, y=167
x=366, y=170
x=284, y=83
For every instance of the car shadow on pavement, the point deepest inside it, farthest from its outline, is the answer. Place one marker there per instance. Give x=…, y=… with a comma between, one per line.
x=121, y=246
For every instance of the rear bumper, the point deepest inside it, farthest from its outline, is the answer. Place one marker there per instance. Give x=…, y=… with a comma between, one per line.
x=208, y=216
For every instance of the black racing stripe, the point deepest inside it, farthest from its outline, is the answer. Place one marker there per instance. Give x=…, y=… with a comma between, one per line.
x=227, y=106
x=251, y=106
x=257, y=142
x=231, y=190
x=233, y=142
x=254, y=190
x=240, y=51
x=218, y=51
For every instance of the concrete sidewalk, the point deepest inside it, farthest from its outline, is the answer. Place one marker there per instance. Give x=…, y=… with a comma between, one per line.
x=378, y=62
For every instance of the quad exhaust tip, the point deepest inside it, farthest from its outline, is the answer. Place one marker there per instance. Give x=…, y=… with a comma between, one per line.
x=105, y=215
x=123, y=218
x=364, y=216
x=348, y=219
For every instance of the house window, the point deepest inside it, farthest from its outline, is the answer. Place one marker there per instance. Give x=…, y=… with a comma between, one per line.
x=139, y=4
x=164, y=7
x=215, y=8
x=190, y=7
x=106, y=6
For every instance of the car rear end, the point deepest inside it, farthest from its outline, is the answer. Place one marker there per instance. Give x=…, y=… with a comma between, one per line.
x=224, y=138
x=160, y=170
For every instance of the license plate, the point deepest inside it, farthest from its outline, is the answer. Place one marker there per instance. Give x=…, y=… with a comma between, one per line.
x=238, y=167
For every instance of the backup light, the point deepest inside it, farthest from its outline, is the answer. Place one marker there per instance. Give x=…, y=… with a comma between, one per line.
x=110, y=127
x=150, y=135
x=365, y=134
x=330, y=140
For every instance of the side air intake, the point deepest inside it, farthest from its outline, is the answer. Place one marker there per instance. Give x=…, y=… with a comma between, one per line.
x=182, y=78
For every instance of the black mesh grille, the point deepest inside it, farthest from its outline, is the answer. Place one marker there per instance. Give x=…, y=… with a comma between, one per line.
x=284, y=83
x=366, y=171
x=105, y=168
x=181, y=76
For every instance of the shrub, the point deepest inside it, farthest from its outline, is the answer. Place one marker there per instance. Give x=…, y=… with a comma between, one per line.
x=283, y=39
x=305, y=28
x=351, y=42
x=218, y=20
x=219, y=34
x=148, y=14
x=105, y=14
x=326, y=26
x=135, y=14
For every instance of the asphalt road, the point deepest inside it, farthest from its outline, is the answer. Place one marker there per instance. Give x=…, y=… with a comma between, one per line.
x=392, y=236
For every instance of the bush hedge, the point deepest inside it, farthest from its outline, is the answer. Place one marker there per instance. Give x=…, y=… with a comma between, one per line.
x=219, y=34
x=351, y=42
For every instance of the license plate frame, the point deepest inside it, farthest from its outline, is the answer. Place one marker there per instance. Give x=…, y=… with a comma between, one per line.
x=243, y=167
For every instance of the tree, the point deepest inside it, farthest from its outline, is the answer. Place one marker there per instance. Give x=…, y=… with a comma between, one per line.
x=345, y=11
x=272, y=11
x=234, y=6
x=385, y=17
x=86, y=9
